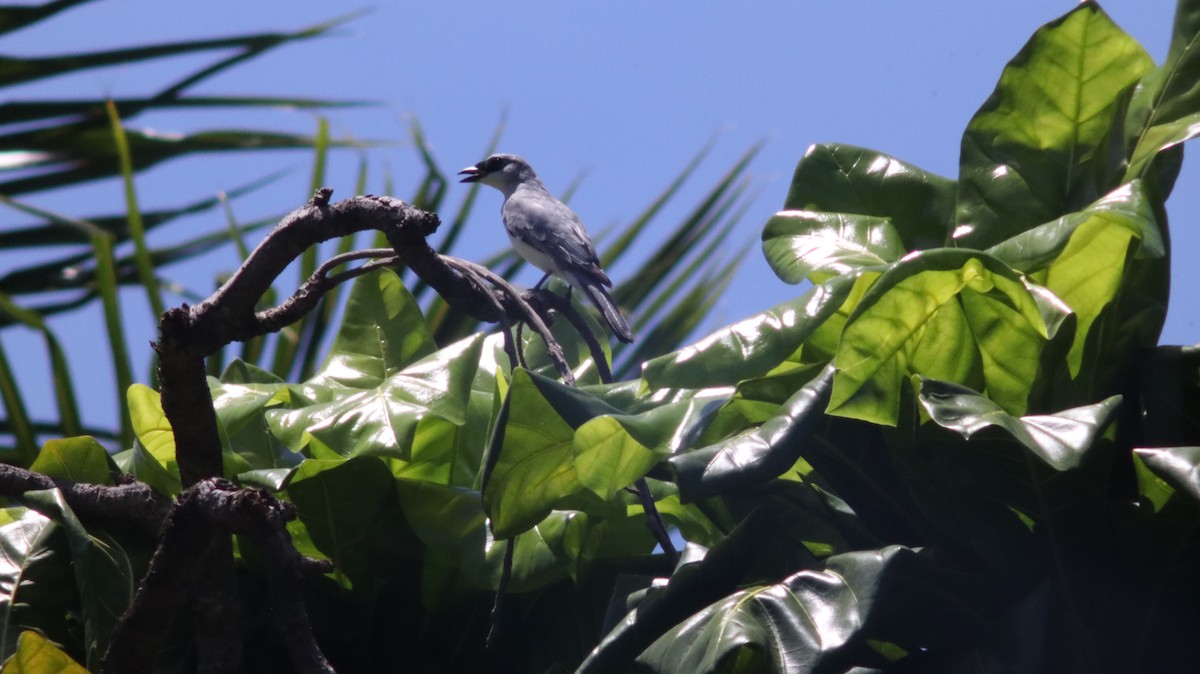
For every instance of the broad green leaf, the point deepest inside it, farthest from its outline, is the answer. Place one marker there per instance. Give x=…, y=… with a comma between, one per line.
x=240, y=372
x=104, y=572
x=965, y=316
x=449, y=453
x=1165, y=109
x=382, y=419
x=545, y=554
x=151, y=426
x=607, y=458
x=1127, y=207
x=1061, y=440
x=749, y=348
x=701, y=578
x=612, y=451
x=245, y=435
x=1036, y=150
x=382, y=333
x=1178, y=467
x=350, y=511
x=756, y=456
x=37, y=584
x=142, y=465
x=1084, y=259
x=529, y=460
x=753, y=403
x=451, y=521
x=801, y=624
x=838, y=178
x=80, y=459
x=36, y=654
x=1152, y=487
x=816, y=245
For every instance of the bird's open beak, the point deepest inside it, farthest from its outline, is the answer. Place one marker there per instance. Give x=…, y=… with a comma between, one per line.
x=472, y=174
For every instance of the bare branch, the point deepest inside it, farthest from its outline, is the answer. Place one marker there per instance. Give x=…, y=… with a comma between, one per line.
x=135, y=502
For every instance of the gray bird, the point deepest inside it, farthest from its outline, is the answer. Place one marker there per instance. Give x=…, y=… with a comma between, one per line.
x=547, y=233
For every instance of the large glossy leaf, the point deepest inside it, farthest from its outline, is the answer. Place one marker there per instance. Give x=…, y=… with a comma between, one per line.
x=381, y=333
x=1178, y=467
x=1165, y=109
x=801, y=624
x=749, y=348
x=529, y=460
x=816, y=245
x=372, y=392
x=37, y=585
x=838, y=178
x=701, y=578
x=1036, y=148
x=1127, y=207
x=80, y=459
x=1093, y=258
x=350, y=511
x=104, y=571
x=614, y=450
x=758, y=455
x=1061, y=440
x=251, y=451
x=152, y=427
x=946, y=314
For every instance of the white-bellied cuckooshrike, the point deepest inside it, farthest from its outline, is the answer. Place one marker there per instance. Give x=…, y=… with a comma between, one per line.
x=547, y=233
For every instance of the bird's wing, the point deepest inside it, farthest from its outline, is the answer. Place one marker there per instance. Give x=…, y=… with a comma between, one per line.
x=549, y=225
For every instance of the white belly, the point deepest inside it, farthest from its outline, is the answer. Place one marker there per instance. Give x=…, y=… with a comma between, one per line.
x=534, y=256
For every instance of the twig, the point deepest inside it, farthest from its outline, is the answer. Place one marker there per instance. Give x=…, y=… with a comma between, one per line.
x=654, y=520
x=493, y=637
x=564, y=306
x=531, y=316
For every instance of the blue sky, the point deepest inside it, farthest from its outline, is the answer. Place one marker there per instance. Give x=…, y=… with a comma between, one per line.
x=623, y=93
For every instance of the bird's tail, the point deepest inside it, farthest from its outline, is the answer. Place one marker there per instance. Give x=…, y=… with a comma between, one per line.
x=612, y=315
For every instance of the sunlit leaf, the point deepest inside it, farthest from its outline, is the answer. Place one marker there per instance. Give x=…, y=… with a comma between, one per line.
x=36, y=579
x=104, y=571
x=751, y=347
x=151, y=425
x=964, y=315
x=800, y=624
x=1061, y=439
x=815, y=245
x=80, y=459
x=838, y=178
x=1036, y=149
x=758, y=455
x=1178, y=467
x=529, y=460
x=1165, y=109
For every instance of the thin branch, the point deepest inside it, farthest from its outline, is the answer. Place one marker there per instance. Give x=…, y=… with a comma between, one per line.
x=564, y=306
x=497, y=620
x=654, y=520
x=531, y=316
